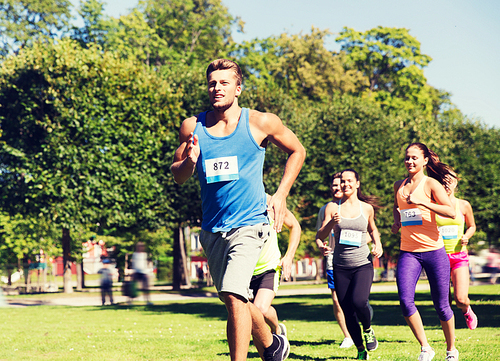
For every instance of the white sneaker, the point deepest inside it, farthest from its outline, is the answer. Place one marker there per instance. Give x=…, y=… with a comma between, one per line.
x=282, y=329
x=426, y=354
x=452, y=355
x=348, y=342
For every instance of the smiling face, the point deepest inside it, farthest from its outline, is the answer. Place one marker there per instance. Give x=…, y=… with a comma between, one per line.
x=349, y=184
x=336, y=189
x=415, y=160
x=223, y=89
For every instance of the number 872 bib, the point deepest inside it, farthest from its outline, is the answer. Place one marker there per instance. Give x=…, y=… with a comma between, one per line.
x=221, y=169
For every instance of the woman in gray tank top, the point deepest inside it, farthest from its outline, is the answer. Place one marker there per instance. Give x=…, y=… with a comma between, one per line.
x=351, y=219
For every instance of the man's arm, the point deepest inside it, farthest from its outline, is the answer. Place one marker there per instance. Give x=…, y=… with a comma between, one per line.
x=293, y=242
x=187, y=153
x=270, y=127
x=325, y=249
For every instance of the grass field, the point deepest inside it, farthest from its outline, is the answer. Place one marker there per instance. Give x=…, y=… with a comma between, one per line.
x=195, y=330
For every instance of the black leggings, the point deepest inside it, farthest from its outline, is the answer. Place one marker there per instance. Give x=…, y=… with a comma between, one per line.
x=353, y=287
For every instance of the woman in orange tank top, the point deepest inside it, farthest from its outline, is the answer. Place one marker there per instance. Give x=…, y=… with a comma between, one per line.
x=417, y=200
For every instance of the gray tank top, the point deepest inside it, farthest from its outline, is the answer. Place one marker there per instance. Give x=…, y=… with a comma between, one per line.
x=351, y=250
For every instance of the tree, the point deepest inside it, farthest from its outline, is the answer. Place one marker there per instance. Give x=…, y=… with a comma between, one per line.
x=173, y=32
x=23, y=240
x=24, y=21
x=194, y=29
x=300, y=65
x=95, y=24
x=474, y=154
x=83, y=139
x=393, y=63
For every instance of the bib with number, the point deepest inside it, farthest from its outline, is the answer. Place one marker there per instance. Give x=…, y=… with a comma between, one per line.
x=350, y=237
x=221, y=169
x=449, y=232
x=411, y=217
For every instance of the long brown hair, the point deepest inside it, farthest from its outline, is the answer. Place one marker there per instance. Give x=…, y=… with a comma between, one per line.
x=435, y=168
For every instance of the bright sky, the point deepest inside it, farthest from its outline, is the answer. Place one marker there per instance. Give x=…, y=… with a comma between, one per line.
x=461, y=36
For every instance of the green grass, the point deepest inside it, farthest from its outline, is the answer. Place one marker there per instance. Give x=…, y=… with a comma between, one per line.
x=195, y=330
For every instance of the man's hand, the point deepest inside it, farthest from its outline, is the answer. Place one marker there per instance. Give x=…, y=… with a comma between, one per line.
x=325, y=249
x=192, y=148
x=286, y=267
x=278, y=205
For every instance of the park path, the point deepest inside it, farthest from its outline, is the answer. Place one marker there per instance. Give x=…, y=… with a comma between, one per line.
x=77, y=300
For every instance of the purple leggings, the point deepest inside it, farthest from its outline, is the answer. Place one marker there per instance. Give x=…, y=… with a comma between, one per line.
x=437, y=268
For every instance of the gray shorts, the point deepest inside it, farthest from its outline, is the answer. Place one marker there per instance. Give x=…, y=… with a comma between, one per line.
x=232, y=257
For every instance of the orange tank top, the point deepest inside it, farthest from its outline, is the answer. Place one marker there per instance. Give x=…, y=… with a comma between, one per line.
x=419, y=232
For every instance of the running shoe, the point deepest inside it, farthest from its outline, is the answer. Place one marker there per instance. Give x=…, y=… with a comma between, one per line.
x=348, y=342
x=452, y=355
x=427, y=354
x=281, y=352
x=362, y=355
x=470, y=319
x=370, y=339
x=282, y=329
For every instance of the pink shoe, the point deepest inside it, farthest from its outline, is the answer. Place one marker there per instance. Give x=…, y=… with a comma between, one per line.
x=470, y=319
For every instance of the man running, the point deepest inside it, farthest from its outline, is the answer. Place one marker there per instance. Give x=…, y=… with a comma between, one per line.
x=227, y=147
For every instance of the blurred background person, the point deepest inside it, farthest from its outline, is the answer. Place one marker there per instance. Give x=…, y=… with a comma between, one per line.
x=106, y=281
x=140, y=267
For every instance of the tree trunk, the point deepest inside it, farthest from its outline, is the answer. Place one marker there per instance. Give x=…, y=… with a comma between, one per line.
x=83, y=275
x=44, y=279
x=79, y=276
x=185, y=265
x=66, y=245
x=176, y=267
x=180, y=271
x=319, y=269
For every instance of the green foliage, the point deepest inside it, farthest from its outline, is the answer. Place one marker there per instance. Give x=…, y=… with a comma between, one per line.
x=475, y=155
x=84, y=139
x=83, y=134
x=24, y=21
x=89, y=127
x=393, y=63
x=23, y=238
x=95, y=24
x=196, y=29
x=299, y=64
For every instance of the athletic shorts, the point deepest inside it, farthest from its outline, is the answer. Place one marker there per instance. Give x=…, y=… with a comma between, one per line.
x=329, y=277
x=232, y=257
x=459, y=259
x=269, y=280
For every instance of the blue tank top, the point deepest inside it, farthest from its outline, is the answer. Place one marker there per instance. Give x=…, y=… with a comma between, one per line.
x=230, y=174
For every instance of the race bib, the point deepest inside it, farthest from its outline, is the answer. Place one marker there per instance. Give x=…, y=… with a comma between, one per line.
x=411, y=217
x=449, y=232
x=221, y=169
x=350, y=237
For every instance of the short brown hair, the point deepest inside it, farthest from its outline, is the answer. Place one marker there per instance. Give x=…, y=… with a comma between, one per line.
x=224, y=64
